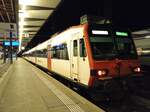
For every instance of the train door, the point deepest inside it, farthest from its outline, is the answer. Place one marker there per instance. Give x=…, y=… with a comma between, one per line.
x=84, y=69
x=74, y=60
x=49, y=57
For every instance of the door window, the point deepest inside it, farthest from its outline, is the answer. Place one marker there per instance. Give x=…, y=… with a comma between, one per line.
x=82, y=48
x=75, y=48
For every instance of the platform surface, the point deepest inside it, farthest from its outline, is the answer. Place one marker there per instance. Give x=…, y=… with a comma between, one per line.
x=31, y=90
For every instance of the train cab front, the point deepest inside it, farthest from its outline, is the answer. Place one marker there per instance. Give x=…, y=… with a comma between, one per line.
x=114, y=58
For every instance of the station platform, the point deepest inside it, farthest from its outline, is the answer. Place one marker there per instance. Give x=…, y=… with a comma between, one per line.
x=29, y=89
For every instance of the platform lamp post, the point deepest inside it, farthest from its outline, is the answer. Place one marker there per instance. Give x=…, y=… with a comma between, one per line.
x=11, y=29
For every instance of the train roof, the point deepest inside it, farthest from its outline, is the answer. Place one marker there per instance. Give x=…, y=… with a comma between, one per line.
x=70, y=28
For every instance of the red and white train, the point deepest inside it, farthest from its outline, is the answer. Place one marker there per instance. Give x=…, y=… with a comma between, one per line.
x=90, y=55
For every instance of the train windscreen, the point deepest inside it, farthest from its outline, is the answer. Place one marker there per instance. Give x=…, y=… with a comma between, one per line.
x=110, y=47
x=102, y=47
x=125, y=48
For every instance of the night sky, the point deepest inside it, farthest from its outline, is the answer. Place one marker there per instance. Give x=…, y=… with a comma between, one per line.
x=133, y=14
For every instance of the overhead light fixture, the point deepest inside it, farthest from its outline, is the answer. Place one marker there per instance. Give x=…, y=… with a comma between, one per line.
x=147, y=36
x=26, y=2
x=21, y=24
x=22, y=48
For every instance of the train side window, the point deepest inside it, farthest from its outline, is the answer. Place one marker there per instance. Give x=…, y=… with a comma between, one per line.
x=65, y=52
x=60, y=52
x=39, y=53
x=44, y=52
x=53, y=52
x=35, y=53
x=82, y=48
x=75, y=48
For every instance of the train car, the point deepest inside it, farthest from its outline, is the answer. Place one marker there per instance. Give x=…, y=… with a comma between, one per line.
x=94, y=56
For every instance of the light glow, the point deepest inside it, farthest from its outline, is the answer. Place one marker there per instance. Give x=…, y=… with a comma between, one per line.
x=27, y=2
x=137, y=69
x=14, y=43
x=99, y=32
x=147, y=36
x=23, y=48
x=101, y=72
x=23, y=13
x=121, y=33
x=21, y=24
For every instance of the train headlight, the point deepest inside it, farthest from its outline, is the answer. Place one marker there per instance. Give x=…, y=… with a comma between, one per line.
x=99, y=73
x=137, y=69
x=102, y=73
